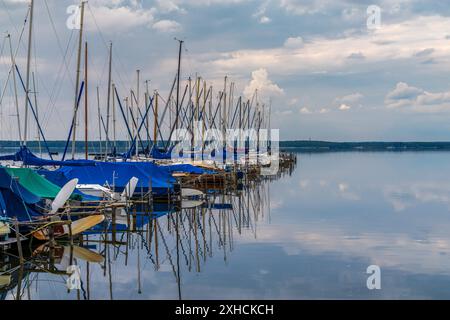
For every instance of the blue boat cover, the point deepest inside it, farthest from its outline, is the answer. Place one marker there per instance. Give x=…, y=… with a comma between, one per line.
x=8, y=183
x=29, y=159
x=117, y=174
x=157, y=154
x=16, y=201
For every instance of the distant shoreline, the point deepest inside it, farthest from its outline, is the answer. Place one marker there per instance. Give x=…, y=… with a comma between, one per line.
x=325, y=146
x=302, y=146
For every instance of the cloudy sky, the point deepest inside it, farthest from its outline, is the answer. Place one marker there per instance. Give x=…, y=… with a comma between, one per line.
x=329, y=75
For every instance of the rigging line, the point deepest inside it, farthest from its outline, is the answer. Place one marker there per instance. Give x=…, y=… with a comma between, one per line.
x=3, y=47
x=60, y=76
x=99, y=76
x=189, y=60
x=57, y=37
x=1, y=56
x=107, y=46
x=51, y=105
x=30, y=105
x=15, y=54
x=9, y=16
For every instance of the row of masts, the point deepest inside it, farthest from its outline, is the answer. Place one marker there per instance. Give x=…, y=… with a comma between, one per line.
x=195, y=101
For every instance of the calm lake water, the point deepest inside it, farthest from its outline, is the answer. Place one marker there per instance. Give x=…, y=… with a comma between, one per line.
x=309, y=235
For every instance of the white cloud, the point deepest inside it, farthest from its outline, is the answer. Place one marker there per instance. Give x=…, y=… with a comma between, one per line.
x=344, y=107
x=402, y=94
x=168, y=6
x=261, y=82
x=294, y=42
x=302, y=7
x=351, y=98
x=16, y=1
x=293, y=101
x=120, y=18
x=199, y=3
x=305, y=110
x=351, y=14
x=122, y=15
x=114, y=16
x=394, y=42
x=346, y=102
x=167, y=26
x=417, y=99
x=260, y=14
x=264, y=20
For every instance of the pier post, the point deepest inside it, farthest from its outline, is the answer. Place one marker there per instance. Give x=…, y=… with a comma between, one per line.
x=19, y=241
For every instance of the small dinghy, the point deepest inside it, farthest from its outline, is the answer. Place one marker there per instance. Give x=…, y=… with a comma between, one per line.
x=99, y=191
x=96, y=190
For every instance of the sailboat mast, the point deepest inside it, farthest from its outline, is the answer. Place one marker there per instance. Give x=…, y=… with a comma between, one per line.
x=224, y=111
x=155, y=125
x=178, y=84
x=37, y=113
x=77, y=82
x=147, y=119
x=108, y=101
x=27, y=83
x=99, y=120
x=127, y=106
x=86, y=107
x=114, y=120
x=16, y=100
x=138, y=73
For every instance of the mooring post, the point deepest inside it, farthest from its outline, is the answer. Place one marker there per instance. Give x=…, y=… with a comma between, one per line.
x=70, y=228
x=19, y=240
x=150, y=194
x=113, y=223
x=169, y=195
x=51, y=236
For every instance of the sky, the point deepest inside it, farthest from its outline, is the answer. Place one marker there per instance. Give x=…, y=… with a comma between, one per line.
x=331, y=69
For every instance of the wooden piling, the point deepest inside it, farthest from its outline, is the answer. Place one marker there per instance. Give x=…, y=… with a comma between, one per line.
x=19, y=241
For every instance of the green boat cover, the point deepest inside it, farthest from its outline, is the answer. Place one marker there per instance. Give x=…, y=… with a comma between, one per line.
x=35, y=183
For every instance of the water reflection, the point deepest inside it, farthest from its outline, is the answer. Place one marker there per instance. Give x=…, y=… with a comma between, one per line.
x=133, y=252
x=309, y=234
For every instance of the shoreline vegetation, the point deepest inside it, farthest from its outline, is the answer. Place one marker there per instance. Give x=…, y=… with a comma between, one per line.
x=325, y=146
x=299, y=146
